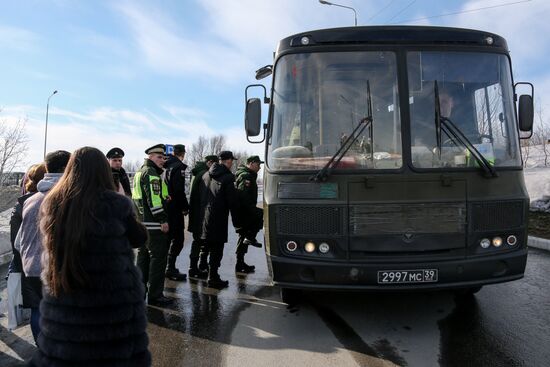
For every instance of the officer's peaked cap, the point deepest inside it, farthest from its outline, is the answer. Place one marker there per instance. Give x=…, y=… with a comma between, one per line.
x=115, y=153
x=159, y=148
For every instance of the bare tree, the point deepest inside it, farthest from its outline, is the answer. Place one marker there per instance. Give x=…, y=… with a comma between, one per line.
x=13, y=146
x=133, y=166
x=205, y=146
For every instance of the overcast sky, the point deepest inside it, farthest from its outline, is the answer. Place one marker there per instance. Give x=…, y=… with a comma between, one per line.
x=135, y=73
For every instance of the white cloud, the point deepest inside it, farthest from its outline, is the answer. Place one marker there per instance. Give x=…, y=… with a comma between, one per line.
x=18, y=38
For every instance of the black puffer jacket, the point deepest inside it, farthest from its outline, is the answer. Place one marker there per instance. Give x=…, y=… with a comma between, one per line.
x=104, y=323
x=219, y=197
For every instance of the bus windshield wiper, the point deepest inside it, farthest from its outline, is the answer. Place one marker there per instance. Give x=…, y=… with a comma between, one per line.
x=444, y=124
x=324, y=172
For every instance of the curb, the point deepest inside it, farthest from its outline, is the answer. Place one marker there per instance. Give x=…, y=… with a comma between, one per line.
x=540, y=243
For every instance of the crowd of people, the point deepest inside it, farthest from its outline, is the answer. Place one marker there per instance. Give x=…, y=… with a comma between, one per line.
x=75, y=228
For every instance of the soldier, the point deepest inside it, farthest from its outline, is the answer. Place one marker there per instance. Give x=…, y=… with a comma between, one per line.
x=198, y=247
x=120, y=177
x=150, y=195
x=218, y=198
x=178, y=207
x=252, y=215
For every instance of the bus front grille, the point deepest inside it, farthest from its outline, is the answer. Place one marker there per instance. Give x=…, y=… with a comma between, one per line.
x=384, y=219
x=498, y=215
x=310, y=220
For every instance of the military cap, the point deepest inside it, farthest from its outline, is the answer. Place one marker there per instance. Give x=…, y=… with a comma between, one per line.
x=115, y=153
x=159, y=148
x=211, y=158
x=254, y=159
x=226, y=154
x=179, y=149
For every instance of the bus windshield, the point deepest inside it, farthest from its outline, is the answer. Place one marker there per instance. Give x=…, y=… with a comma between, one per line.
x=319, y=98
x=475, y=92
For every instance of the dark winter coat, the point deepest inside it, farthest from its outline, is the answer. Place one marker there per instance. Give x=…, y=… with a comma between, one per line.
x=195, y=223
x=219, y=197
x=15, y=223
x=120, y=176
x=175, y=180
x=246, y=185
x=103, y=323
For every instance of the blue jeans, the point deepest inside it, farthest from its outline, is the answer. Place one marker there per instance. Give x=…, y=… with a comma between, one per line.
x=35, y=323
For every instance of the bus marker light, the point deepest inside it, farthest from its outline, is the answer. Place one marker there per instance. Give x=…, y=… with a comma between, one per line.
x=497, y=241
x=291, y=246
x=512, y=240
x=305, y=41
x=309, y=247
x=485, y=243
x=324, y=247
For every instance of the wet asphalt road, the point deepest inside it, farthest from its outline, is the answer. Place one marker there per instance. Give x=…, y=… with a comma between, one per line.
x=247, y=325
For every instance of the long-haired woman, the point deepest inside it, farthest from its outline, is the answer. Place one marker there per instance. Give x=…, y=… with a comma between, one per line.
x=93, y=311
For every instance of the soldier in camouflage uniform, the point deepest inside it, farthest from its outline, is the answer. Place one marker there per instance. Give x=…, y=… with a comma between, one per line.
x=252, y=215
x=150, y=195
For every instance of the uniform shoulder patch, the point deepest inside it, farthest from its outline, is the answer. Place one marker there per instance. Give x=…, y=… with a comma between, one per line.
x=155, y=186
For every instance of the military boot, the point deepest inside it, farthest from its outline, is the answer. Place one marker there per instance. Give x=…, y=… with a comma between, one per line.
x=252, y=242
x=203, y=262
x=242, y=267
x=172, y=272
x=214, y=280
x=194, y=271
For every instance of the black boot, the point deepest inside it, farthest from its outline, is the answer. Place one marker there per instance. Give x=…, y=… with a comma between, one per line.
x=242, y=267
x=214, y=280
x=161, y=301
x=172, y=272
x=203, y=262
x=252, y=242
x=194, y=271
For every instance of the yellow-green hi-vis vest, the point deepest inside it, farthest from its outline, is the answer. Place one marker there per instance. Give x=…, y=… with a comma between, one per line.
x=149, y=194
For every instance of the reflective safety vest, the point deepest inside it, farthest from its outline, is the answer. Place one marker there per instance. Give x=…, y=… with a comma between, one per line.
x=149, y=194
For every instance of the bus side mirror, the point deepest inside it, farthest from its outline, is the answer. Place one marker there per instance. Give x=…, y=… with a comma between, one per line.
x=253, y=117
x=525, y=112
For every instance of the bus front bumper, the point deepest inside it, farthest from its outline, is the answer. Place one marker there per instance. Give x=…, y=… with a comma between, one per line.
x=460, y=273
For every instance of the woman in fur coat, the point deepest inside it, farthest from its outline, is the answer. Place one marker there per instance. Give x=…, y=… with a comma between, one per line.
x=93, y=310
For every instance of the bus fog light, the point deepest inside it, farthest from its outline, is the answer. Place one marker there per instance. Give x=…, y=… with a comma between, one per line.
x=324, y=247
x=512, y=240
x=485, y=243
x=309, y=247
x=291, y=246
x=497, y=241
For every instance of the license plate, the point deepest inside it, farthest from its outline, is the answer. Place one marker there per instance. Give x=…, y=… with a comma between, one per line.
x=407, y=276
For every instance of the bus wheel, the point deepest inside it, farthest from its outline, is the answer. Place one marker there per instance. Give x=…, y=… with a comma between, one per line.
x=290, y=296
x=466, y=292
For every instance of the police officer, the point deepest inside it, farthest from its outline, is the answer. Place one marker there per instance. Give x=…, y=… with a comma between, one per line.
x=218, y=197
x=120, y=177
x=150, y=195
x=178, y=207
x=199, y=250
x=252, y=215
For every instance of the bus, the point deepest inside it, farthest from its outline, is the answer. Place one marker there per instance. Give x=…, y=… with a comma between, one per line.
x=393, y=160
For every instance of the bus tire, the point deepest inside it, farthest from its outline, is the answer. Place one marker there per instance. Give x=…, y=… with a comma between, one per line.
x=290, y=296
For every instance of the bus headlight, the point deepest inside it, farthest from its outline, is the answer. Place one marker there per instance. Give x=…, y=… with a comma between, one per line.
x=497, y=241
x=291, y=246
x=324, y=247
x=485, y=243
x=512, y=240
x=309, y=247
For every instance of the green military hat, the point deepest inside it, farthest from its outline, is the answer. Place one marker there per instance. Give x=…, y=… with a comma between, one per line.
x=254, y=159
x=115, y=153
x=179, y=149
x=211, y=158
x=159, y=148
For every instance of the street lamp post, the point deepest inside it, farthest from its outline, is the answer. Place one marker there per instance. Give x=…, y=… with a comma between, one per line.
x=341, y=6
x=46, y=129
